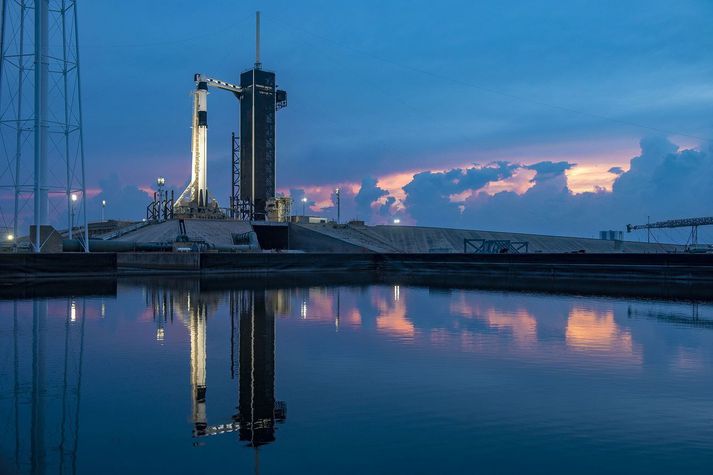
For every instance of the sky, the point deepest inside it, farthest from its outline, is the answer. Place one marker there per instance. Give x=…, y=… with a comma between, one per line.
x=555, y=117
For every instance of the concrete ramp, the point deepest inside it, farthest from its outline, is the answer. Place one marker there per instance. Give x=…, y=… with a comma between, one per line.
x=415, y=239
x=352, y=239
x=215, y=231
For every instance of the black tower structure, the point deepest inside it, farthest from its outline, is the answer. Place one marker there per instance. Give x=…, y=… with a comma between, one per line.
x=259, y=101
x=257, y=138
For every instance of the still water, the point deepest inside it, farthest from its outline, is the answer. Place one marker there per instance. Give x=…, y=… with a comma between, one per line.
x=185, y=376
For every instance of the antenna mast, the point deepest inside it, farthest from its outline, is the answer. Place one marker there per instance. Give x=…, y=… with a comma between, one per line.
x=258, y=65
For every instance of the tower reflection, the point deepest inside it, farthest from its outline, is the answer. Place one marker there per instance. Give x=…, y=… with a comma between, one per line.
x=45, y=376
x=257, y=408
x=252, y=340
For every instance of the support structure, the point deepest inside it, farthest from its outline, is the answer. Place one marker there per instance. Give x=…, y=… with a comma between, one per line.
x=239, y=209
x=495, y=246
x=259, y=102
x=693, y=223
x=42, y=153
x=235, y=174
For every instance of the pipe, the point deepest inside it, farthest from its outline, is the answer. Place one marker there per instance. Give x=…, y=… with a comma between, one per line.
x=99, y=245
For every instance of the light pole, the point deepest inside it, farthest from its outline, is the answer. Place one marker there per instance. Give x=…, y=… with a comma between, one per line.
x=338, y=207
x=304, y=203
x=160, y=181
x=648, y=230
x=103, y=206
x=71, y=216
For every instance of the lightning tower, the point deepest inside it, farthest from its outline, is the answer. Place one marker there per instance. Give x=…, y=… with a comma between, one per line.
x=41, y=140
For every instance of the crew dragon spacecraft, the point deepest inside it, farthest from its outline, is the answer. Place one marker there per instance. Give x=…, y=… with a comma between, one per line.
x=259, y=101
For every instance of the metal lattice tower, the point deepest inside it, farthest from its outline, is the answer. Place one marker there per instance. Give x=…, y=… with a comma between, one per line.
x=235, y=175
x=42, y=178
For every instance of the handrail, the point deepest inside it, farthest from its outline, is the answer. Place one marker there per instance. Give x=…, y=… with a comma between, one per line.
x=125, y=230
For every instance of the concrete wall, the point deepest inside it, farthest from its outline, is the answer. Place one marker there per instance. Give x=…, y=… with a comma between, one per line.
x=689, y=273
x=288, y=262
x=31, y=265
x=189, y=261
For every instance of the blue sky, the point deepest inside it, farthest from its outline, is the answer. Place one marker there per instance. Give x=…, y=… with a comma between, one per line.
x=381, y=91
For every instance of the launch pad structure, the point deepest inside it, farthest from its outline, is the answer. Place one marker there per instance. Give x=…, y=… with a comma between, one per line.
x=253, y=184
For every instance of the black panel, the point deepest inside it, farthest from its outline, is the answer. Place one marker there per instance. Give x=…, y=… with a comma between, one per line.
x=272, y=237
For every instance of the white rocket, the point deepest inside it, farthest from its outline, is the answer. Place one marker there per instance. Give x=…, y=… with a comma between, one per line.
x=197, y=191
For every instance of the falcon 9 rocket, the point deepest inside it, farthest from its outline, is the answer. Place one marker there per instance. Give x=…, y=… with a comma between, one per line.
x=196, y=194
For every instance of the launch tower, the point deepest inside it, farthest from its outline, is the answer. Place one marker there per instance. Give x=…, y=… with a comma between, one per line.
x=259, y=101
x=253, y=185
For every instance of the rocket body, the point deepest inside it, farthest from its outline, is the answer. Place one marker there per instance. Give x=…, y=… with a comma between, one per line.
x=200, y=174
x=197, y=191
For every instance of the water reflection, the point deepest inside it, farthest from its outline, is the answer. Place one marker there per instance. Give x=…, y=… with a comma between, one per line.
x=47, y=342
x=177, y=373
x=694, y=313
x=257, y=408
x=252, y=316
x=590, y=330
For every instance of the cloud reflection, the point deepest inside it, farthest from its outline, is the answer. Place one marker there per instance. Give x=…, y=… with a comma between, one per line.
x=593, y=331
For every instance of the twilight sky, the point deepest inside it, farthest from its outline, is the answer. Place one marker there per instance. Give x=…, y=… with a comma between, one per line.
x=509, y=115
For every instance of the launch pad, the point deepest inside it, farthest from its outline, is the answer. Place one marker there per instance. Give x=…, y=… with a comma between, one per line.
x=253, y=185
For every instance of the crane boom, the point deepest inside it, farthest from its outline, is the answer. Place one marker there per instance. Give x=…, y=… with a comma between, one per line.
x=673, y=223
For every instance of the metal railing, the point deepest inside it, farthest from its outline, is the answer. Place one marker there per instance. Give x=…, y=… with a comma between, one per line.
x=125, y=230
x=494, y=246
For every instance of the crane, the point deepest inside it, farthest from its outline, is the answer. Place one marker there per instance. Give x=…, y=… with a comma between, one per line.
x=693, y=223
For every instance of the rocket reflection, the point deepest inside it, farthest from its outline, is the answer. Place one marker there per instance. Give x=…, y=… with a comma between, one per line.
x=252, y=317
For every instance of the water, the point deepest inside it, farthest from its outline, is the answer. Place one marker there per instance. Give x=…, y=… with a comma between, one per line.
x=162, y=376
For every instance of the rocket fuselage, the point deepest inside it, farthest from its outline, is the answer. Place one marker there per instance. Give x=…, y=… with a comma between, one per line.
x=197, y=191
x=201, y=147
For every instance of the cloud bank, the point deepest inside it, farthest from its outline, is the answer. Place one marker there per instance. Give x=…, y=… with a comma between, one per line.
x=662, y=182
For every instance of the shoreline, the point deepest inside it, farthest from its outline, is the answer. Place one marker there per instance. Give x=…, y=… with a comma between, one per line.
x=668, y=276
